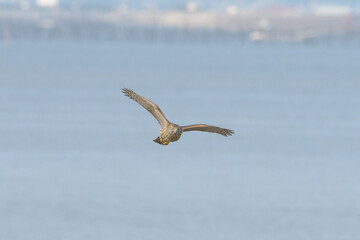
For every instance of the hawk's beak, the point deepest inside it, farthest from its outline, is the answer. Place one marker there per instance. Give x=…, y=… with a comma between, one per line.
x=157, y=140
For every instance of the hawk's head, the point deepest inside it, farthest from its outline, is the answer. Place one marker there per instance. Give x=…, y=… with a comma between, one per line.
x=159, y=141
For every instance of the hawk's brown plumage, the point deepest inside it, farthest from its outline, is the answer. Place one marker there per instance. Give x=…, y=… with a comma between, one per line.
x=171, y=132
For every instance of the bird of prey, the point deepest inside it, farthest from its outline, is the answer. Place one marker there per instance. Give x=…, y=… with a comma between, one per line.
x=171, y=132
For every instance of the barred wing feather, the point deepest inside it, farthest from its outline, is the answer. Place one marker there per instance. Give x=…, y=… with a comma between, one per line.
x=207, y=128
x=148, y=105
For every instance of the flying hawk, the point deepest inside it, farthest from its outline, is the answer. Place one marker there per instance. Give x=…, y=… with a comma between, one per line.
x=171, y=132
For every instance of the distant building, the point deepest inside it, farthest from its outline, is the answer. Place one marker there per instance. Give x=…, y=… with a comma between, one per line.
x=257, y=36
x=191, y=7
x=331, y=10
x=232, y=10
x=47, y=3
x=282, y=9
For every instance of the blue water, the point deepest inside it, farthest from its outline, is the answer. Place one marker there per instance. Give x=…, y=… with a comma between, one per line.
x=77, y=160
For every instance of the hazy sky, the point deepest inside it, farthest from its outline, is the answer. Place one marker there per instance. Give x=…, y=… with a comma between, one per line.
x=202, y=3
x=205, y=4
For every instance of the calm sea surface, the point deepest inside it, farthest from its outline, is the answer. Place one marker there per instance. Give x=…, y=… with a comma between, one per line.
x=77, y=160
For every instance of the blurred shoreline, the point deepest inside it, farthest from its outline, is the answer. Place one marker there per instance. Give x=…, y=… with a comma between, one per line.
x=280, y=26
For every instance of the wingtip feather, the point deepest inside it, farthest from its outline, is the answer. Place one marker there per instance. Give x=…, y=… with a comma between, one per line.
x=228, y=132
x=127, y=92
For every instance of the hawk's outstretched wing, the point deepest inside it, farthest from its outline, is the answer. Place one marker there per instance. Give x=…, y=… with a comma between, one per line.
x=208, y=128
x=148, y=105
